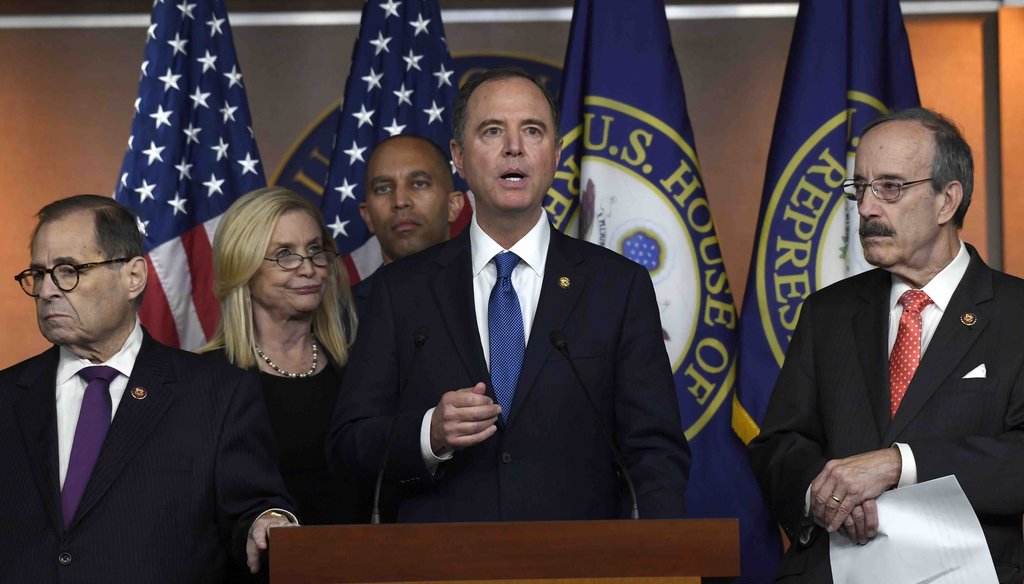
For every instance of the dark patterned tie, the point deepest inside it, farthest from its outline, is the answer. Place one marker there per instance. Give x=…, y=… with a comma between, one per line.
x=505, y=330
x=93, y=422
x=906, y=352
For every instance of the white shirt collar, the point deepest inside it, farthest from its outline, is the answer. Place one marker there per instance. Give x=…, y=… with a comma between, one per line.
x=532, y=249
x=70, y=364
x=940, y=289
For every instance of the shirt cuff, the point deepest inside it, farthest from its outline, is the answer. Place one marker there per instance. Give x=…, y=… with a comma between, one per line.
x=908, y=470
x=429, y=458
x=291, y=516
x=806, y=528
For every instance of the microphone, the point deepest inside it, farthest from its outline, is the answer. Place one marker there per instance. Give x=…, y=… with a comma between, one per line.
x=419, y=338
x=562, y=346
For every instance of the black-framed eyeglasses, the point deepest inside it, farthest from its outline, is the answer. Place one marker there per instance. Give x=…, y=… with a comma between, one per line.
x=64, y=276
x=886, y=189
x=292, y=261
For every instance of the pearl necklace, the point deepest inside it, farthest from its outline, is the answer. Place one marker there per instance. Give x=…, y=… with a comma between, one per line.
x=274, y=366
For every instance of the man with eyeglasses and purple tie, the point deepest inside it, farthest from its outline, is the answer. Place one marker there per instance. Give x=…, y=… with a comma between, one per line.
x=124, y=460
x=903, y=374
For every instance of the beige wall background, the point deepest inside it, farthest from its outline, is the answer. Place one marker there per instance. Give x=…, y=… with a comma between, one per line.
x=66, y=102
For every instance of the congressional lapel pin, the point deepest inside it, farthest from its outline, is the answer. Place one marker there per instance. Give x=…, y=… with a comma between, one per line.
x=564, y=282
x=139, y=393
x=969, y=319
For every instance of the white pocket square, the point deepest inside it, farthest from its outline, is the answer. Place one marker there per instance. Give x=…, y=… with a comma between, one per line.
x=976, y=373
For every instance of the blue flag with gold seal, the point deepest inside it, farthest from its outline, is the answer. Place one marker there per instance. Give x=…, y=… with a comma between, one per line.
x=849, y=62
x=629, y=180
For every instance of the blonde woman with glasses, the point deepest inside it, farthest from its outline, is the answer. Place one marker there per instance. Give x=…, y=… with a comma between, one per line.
x=285, y=313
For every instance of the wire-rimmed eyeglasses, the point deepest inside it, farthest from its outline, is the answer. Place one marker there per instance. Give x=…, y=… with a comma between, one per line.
x=291, y=261
x=886, y=189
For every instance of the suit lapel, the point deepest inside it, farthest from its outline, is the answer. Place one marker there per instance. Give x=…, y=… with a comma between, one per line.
x=553, y=308
x=871, y=331
x=949, y=344
x=453, y=293
x=134, y=421
x=36, y=413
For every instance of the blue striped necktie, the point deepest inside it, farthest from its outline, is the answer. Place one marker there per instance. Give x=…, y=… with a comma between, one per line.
x=505, y=330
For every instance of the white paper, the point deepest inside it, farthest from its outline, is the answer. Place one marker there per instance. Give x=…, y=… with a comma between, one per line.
x=927, y=533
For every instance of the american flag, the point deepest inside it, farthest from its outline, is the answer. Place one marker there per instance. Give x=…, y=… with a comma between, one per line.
x=402, y=81
x=191, y=153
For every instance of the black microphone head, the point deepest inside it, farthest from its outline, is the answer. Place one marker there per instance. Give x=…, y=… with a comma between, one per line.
x=419, y=338
x=558, y=340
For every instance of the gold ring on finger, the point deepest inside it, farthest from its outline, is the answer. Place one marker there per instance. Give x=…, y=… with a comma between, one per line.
x=836, y=499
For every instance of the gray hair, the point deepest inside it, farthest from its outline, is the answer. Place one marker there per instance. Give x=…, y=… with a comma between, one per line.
x=952, y=160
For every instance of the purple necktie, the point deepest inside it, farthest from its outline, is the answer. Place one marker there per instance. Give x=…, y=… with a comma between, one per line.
x=93, y=422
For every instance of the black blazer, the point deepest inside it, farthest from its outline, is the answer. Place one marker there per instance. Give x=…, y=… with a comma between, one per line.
x=182, y=475
x=361, y=294
x=321, y=499
x=831, y=400
x=549, y=461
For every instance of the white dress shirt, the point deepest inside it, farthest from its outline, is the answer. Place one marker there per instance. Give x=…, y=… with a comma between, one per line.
x=527, y=278
x=940, y=289
x=71, y=391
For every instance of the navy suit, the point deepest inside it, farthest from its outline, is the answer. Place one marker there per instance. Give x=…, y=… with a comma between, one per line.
x=832, y=401
x=361, y=294
x=549, y=461
x=181, y=476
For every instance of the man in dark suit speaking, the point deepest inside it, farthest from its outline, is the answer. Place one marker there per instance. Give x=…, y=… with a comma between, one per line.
x=124, y=460
x=903, y=374
x=489, y=421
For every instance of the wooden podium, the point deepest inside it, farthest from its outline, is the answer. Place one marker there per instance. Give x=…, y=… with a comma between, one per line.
x=645, y=551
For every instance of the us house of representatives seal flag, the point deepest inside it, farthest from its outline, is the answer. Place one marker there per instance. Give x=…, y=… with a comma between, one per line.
x=849, y=62
x=629, y=180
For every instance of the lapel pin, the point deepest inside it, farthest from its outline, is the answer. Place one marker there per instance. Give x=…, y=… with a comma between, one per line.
x=139, y=393
x=969, y=319
x=564, y=282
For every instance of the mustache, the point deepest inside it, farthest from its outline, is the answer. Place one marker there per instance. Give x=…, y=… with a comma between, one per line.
x=876, y=228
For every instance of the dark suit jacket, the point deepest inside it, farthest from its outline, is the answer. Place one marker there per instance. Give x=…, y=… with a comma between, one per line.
x=550, y=460
x=832, y=401
x=346, y=501
x=361, y=294
x=182, y=475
